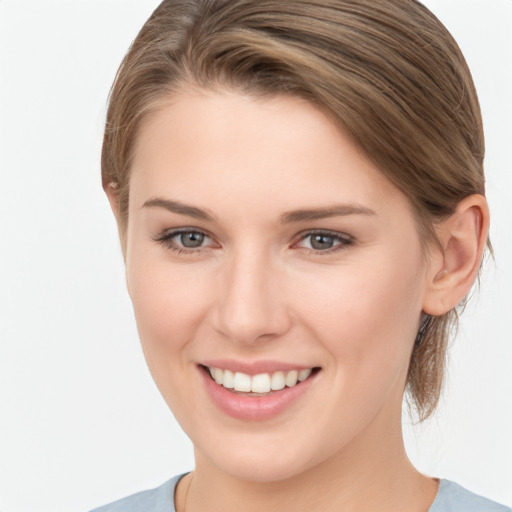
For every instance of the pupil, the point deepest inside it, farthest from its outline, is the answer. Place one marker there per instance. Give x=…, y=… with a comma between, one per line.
x=322, y=242
x=192, y=239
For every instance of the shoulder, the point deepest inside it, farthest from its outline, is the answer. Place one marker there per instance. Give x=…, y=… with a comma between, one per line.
x=160, y=499
x=454, y=498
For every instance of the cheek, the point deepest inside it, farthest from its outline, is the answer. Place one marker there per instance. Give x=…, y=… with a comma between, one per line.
x=366, y=313
x=169, y=304
x=367, y=326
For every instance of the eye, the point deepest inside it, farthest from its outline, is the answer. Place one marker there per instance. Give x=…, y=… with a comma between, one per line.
x=324, y=241
x=190, y=239
x=184, y=240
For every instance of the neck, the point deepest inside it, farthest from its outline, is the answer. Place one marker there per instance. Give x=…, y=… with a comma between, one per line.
x=371, y=474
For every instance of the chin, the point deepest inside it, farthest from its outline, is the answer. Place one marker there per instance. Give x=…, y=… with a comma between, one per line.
x=270, y=470
x=263, y=458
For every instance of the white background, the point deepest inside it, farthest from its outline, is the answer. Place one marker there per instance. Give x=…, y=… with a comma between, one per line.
x=81, y=422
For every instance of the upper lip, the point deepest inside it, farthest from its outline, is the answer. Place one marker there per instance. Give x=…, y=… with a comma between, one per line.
x=254, y=367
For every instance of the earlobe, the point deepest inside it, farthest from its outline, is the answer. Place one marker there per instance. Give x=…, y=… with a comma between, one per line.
x=462, y=238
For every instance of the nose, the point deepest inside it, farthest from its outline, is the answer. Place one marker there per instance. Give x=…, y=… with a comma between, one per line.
x=251, y=300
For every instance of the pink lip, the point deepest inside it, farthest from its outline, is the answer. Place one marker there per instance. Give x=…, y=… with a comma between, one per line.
x=253, y=408
x=253, y=367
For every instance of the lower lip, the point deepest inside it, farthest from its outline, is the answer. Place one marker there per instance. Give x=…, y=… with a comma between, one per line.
x=254, y=408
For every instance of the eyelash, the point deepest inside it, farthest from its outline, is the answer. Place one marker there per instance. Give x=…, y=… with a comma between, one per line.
x=166, y=239
x=342, y=241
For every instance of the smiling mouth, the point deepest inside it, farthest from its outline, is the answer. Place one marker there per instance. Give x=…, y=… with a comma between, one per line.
x=261, y=384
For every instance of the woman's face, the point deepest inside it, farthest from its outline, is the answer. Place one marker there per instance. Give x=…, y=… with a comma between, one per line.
x=260, y=241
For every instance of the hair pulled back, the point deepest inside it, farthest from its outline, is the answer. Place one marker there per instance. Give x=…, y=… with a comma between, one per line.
x=387, y=70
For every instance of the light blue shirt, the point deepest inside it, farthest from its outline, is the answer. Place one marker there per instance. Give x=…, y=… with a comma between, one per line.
x=451, y=497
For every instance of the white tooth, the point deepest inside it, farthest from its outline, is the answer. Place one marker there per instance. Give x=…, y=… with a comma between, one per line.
x=242, y=382
x=261, y=383
x=228, y=379
x=291, y=378
x=277, y=381
x=212, y=371
x=303, y=374
x=218, y=375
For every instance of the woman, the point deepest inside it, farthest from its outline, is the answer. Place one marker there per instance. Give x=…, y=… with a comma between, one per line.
x=299, y=193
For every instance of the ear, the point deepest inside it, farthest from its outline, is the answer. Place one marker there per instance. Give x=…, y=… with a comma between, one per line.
x=455, y=265
x=112, y=191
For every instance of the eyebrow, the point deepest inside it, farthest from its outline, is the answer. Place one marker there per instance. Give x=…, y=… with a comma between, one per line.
x=179, y=208
x=337, y=210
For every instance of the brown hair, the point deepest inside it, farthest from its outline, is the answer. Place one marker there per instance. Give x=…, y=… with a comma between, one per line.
x=388, y=70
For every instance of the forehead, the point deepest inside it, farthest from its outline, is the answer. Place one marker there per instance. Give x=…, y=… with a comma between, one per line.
x=207, y=146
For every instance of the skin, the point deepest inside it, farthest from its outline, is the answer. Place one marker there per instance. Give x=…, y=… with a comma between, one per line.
x=257, y=290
